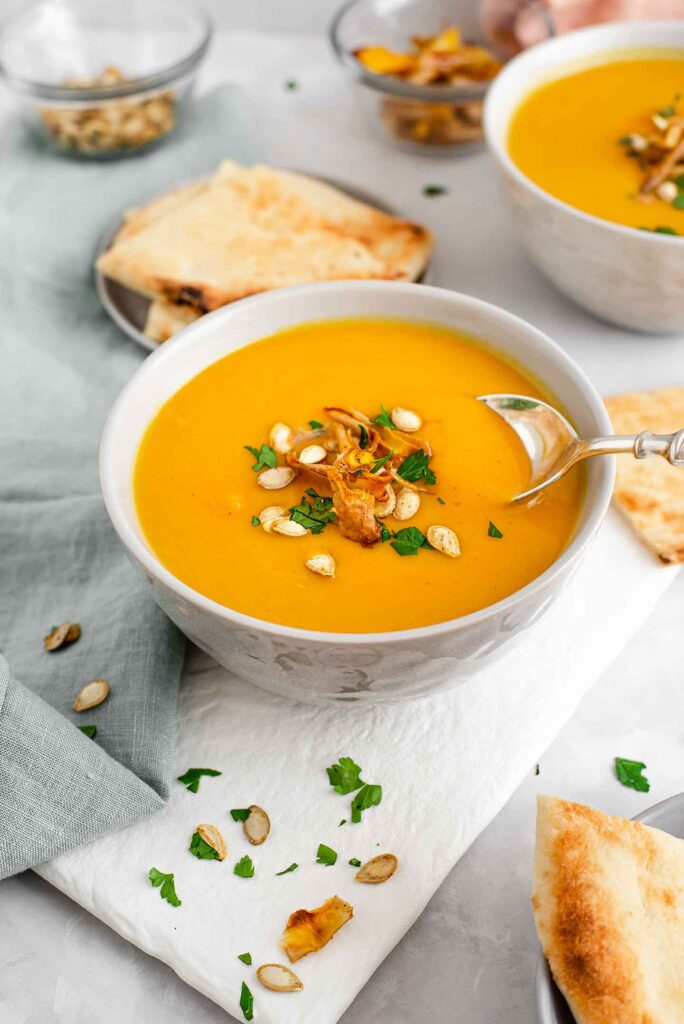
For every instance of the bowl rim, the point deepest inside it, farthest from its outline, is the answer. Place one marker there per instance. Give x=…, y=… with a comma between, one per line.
x=131, y=87
x=186, y=338
x=396, y=86
x=498, y=147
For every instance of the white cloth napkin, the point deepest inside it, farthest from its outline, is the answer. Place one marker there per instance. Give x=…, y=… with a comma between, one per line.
x=446, y=765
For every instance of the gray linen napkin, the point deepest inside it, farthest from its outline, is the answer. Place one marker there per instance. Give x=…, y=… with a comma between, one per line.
x=62, y=362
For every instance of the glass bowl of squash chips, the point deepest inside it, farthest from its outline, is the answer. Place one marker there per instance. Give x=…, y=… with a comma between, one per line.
x=421, y=69
x=99, y=79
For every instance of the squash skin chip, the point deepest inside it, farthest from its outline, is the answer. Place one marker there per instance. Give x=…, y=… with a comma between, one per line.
x=355, y=511
x=307, y=931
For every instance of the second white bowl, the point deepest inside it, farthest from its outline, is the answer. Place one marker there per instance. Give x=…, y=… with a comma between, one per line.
x=632, y=278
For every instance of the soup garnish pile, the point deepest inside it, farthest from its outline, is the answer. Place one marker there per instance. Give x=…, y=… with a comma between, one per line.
x=387, y=509
x=372, y=467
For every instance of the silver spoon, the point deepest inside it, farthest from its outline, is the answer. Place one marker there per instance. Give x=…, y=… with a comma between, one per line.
x=553, y=447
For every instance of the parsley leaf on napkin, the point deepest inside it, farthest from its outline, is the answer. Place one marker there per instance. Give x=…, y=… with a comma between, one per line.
x=368, y=796
x=168, y=890
x=629, y=774
x=325, y=855
x=246, y=1002
x=345, y=776
x=191, y=778
x=89, y=730
x=292, y=867
x=240, y=813
x=246, y=958
x=244, y=867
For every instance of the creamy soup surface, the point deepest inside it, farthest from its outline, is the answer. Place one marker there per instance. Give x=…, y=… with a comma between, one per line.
x=196, y=492
x=572, y=137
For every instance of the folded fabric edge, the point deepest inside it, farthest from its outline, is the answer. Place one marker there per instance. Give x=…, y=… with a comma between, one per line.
x=58, y=788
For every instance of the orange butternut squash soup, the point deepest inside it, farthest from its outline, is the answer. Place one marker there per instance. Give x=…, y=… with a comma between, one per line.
x=608, y=139
x=341, y=476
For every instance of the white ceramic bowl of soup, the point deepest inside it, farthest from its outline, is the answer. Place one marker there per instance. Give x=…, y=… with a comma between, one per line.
x=632, y=278
x=315, y=666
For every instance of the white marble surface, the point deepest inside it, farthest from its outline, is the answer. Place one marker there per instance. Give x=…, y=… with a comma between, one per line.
x=471, y=956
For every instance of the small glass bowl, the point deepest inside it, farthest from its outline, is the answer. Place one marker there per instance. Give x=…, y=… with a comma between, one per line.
x=104, y=78
x=431, y=119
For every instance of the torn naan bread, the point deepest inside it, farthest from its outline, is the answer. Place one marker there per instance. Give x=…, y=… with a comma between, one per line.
x=140, y=217
x=650, y=492
x=248, y=230
x=609, y=909
x=164, y=319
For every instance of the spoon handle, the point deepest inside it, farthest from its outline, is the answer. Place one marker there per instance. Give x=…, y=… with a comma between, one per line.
x=670, y=446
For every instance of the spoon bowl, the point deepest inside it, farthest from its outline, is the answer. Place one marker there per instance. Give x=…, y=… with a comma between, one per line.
x=553, y=446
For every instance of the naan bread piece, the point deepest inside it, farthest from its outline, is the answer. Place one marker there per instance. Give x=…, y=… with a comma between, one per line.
x=253, y=229
x=164, y=319
x=650, y=491
x=307, y=203
x=141, y=216
x=609, y=908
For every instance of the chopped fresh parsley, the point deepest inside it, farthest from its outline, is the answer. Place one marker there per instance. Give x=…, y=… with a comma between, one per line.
x=325, y=855
x=256, y=521
x=203, y=851
x=434, y=190
x=240, y=813
x=383, y=419
x=518, y=403
x=246, y=958
x=345, y=776
x=314, y=514
x=493, y=531
x=265, y=456
x=363, y=442
x=244, y=867
x=536, y=769
x=343, y=822
x=191, y=778
x=384, y=532
x=246, y=1002
x=441, y=501
x=668, y=111
x=661, y=230
x=629, y=774
x=625, y=140
x=89, y=730
x=409, y=541
x=367, y=796
x=315, y=425
x=292, y=867
x=679, y=181
x=379, y=463
x=168, y=890
x=415, y=467
x=355, y=862
x=678, y=201
x=291, y=84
